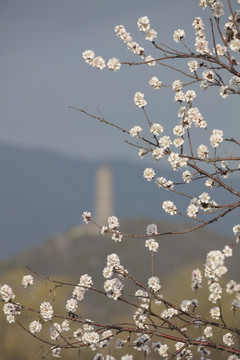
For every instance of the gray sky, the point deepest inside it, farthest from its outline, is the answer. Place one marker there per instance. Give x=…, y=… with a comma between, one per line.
x=42, y=73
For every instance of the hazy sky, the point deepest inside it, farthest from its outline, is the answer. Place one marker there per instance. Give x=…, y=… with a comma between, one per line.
x=42, y=73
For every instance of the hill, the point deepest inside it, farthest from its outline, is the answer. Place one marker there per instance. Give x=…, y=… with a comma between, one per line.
x=43, y=193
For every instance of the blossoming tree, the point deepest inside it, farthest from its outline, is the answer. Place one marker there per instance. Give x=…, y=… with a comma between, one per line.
x=160, y=328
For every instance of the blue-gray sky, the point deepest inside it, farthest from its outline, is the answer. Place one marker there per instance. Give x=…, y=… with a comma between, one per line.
x=42, y=73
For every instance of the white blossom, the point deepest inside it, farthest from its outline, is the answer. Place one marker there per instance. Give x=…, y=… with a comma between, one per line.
x=99, y=63
x=71, y=305
x=155, y=83
x=216, y=138
x=151, y=229
x=169, y=207
x=35, y=327
x=113, y=64
x=86, y=216
x=149, y=174
x=192, y=65
x=46, y=310
x=178, y=35
x=215, y=312
x=154, y=283
x=135, y=131
x=208, y=331
x=113, y=222
x=139, y=99
x=156, y=129
x=228, y=339
x=152, y=245
x=6, y=293
x=150, y=60
x=27, y=280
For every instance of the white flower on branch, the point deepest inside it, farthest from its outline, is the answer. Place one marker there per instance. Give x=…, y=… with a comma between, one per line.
x=223, y=91
x=169, y=207
x=180, y=96
x=154, y=283
x=86, y=281
x=178, y=35
x=165, y=142
x=221, y=50
x=35, y=327
x=90, y=337
x=209, y=183
x=178, y=141
x=196, y=279
x=216, y=138
x=151, y=35
x=217, y=9
x=55, y=331
x=151, y=229
x=178, y=130
x=215, y=312
x=139, y=99
x=27, y=280
x=6, y=293
x=88, y=56
x=236, y=229
x=56, y=351
x=177, y=85
x=192, y=65
x=163, y=351
x=46, y=310
x=71, y=305
x=155, y=83
x=203, y=151
x=143, y=24
x=208, y=331
x=149, y=174
x=151, y=60
x=158, y=153
x=135, y=131
x=187, y=176
x=176, y=161
x=192, y=210
x=113, y=64
x=152, y=245
x=228, y=339
x=113, y=261
x=185, y=305
x=190, y=95
x=196, y=117
x=11, y=309
x=117, y=236
x=99, y=63
x=227, y=251
x=113, y=222
x=234, y=82
x=203, y=3
x=235, y=44
x=156, y=129
x=113, y=288
x=86, y=216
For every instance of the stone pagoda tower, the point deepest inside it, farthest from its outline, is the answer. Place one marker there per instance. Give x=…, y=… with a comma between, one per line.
x=103, y=195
